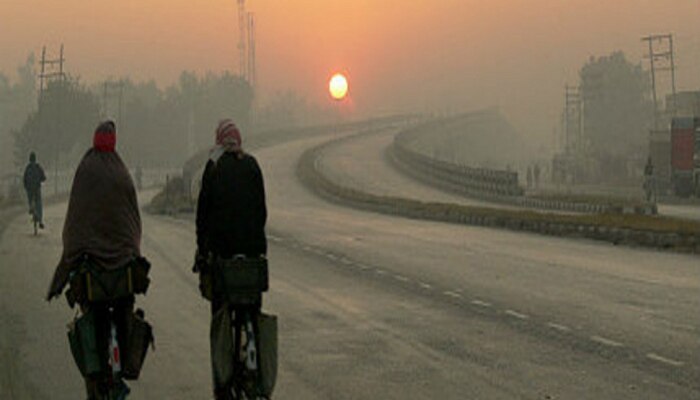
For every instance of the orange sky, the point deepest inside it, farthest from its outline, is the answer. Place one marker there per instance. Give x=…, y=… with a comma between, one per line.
x=408, y=55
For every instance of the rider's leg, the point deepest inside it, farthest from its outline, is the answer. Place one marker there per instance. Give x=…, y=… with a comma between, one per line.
x=39, y=209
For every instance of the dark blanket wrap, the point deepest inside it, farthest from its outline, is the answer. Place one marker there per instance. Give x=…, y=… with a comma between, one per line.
x=103, y=217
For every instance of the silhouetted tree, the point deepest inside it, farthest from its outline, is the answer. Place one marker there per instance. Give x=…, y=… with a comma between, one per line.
x=63, y=123
x=617, y=107
x=17, y=100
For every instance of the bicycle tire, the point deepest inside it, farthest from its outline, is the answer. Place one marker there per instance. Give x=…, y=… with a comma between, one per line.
x=239, y=390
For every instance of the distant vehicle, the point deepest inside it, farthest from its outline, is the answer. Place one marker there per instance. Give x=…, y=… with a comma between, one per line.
x=683, y=155
x=696, y=161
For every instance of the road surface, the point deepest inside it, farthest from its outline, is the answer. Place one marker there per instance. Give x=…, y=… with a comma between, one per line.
x=379, y=307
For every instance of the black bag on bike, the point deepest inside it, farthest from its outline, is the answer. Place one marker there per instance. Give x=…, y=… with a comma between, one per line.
x=92, y=283
x=139, y=336
x=240, y=280
x=82, y=336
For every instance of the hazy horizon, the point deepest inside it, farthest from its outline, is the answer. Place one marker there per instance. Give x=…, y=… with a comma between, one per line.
x=446, y=55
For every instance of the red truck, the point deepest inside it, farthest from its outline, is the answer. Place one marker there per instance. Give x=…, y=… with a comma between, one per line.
x=683, y=153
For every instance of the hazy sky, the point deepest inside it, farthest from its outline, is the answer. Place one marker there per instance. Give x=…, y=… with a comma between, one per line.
x=400, y=55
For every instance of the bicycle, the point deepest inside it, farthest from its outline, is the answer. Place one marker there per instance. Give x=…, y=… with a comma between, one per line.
x=108, y=325
x=247, y=380
x=237, y=322
x=105, y=378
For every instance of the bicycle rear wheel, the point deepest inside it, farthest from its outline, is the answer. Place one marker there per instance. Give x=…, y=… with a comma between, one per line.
x=247, y=383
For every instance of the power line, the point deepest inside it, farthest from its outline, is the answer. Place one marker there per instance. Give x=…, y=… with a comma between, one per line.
x=661, y=59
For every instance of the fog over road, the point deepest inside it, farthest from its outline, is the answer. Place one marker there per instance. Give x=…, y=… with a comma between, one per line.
x=380, y=307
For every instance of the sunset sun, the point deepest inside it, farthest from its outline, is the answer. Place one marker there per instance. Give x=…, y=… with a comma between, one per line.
x=338, y=86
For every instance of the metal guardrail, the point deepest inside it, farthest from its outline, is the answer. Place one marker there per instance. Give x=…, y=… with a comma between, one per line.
x=490, y=181
x=493, y=185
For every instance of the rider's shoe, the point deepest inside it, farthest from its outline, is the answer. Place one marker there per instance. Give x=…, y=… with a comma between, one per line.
x=121, y=391
x=41, y=225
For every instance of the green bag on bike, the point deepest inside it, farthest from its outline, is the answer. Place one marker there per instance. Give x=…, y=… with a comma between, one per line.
x=82, y=336
x=222, y=346
x=267, y=352
x=139, y=338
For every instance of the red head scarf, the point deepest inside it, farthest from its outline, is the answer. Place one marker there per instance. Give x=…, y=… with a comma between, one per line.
x=105, y=139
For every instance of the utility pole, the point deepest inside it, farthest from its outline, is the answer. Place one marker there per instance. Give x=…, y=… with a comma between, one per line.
x=573, y=124
x=246, y=44
x=662, y=59
x=251, y=51
x=242, y=24
x=45, y=76
x=56, y=74
x=111, y=89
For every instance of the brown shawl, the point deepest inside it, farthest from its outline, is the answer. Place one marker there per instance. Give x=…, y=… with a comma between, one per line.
x=103, y=217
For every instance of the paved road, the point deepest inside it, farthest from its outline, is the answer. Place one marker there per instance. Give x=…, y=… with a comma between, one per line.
x=359, y=162
x=378, y=307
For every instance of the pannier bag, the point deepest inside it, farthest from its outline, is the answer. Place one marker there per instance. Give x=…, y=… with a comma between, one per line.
x=221, y=342
x=138, y=338
x=240, y=280
x=82, y=336
x=91, y=283
x=267, y=350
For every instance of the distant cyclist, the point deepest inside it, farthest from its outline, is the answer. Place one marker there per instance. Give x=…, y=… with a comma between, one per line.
x=231, y=215
x=33, y=177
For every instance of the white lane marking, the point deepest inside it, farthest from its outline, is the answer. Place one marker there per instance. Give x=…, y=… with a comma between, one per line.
x=425, y=285
x=306, y=248
x=401, y=278
x=274, y=238
x=364, y=267
x=606, y=341
x=558, y=327
x=331, y=256
x=481, y=303
x=516, y=314
x=380, y=271
x=346, y=261
x=662, y=359
x=452, y=294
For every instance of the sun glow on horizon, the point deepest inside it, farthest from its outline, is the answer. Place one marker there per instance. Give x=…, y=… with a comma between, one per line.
x=338, y=86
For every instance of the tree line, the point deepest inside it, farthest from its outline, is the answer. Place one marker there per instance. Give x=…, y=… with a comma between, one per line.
x=156, y=127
